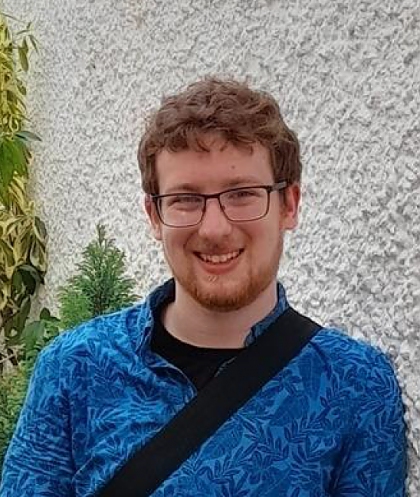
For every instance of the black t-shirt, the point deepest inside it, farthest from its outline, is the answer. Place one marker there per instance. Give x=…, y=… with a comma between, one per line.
x=199, y=364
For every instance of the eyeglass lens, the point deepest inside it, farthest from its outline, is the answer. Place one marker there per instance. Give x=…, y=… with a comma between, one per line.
x=243, y=204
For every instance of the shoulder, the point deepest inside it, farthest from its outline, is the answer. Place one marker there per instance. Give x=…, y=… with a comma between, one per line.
x=342, y=349
x=104, y=337
x=356, y=364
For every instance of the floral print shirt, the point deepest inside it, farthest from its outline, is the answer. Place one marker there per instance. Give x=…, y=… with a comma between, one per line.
x=329, y=424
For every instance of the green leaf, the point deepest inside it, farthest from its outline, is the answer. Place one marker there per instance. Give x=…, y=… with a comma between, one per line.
x=9, y=16
x=4, y=297
x=17, y=281
x=37, y=255
x=16, y=103
x=23, y=57
x=21, y=87
x=13, y=157
x=39, y=229
x=46, y=315
x=8, y=253
x=4, y=194
x=7, y=168
x=30, y=277
x=18, y=253
x=28, y=136
x=20, y=318
x=19, y=155
x=8, y=224
x=32, y=333
x=33, y=42
x=6, y=62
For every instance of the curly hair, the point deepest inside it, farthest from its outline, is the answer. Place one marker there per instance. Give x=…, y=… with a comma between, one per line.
x=229, y=109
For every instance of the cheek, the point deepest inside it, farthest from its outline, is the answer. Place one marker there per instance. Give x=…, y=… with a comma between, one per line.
x=267, y=239
x=268, y=231
x=174, y=242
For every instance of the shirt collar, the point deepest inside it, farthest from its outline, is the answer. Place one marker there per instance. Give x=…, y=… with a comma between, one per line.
x=165, y=293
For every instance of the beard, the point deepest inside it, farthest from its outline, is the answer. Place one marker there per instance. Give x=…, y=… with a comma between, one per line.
x=228, y=292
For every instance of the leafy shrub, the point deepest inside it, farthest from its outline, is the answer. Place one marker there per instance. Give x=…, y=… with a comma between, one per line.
x=100, y=286
x=22, y=234
x=13, y=387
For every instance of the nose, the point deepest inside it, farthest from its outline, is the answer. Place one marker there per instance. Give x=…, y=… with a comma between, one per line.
x=214, y=225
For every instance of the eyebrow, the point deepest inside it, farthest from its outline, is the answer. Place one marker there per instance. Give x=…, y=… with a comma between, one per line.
x=232, y=183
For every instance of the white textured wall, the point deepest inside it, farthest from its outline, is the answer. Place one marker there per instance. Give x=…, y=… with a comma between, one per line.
x=347, y=75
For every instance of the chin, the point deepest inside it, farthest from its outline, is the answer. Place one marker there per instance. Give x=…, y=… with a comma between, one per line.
x=226, y=296
x=221, y=302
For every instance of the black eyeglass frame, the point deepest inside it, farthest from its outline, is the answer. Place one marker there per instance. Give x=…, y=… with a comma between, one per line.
x=279, y=186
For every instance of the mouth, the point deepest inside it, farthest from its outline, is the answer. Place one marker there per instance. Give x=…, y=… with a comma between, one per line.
x=219, y=258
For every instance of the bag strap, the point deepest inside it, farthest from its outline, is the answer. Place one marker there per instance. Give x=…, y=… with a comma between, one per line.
x=214, y=404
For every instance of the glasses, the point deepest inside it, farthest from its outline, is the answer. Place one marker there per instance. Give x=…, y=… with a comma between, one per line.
x=182, y=210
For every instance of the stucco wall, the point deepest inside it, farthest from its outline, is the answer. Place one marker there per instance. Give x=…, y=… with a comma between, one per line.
x=347, y=75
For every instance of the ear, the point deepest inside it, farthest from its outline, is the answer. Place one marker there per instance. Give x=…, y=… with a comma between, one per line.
x=150, y=208
x=290, y=207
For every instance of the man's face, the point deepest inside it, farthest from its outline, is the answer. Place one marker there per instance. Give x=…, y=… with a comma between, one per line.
x=223, y=265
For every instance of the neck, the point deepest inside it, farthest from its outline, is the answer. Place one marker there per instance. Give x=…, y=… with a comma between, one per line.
x=192, y=323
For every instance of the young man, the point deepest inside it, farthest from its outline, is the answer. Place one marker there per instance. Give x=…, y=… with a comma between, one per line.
x=221, y=172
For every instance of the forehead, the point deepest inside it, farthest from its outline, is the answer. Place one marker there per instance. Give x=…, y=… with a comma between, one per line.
x=224, y=165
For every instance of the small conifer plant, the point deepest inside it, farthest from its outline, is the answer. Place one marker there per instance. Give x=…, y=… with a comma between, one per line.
x=100, y=285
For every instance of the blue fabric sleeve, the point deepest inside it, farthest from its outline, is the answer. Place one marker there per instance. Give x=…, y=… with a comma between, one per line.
x=38, y=462
x=375, y=461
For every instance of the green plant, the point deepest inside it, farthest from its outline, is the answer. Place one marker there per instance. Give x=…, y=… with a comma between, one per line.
x=14, y=141
x=14, y=384
x=22, y=260
x=100, y=286
x=37, y=334
x=22, y=233
x=13, y=387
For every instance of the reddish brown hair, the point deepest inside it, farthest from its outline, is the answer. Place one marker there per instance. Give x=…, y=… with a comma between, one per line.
x=229, y=109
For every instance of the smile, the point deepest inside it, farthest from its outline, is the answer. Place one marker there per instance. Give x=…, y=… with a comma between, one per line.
x=220, y=258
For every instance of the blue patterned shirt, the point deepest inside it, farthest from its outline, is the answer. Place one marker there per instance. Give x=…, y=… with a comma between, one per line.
x=329, y=424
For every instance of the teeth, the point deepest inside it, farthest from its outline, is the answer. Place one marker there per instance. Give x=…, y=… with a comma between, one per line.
x=217, y=259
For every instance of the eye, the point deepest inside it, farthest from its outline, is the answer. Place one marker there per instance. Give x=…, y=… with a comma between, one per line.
x=244, y=194
x=179, y=201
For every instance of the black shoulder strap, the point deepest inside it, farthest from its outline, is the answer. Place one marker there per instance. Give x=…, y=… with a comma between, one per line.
x=213, y=405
